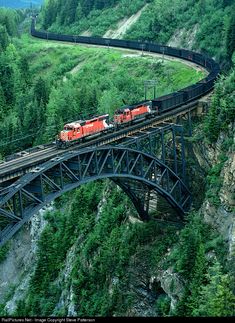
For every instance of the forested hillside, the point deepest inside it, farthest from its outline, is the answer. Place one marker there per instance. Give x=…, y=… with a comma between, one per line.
x=188, y=23
x=89, y=254
x=14, y=77
x=48, y=93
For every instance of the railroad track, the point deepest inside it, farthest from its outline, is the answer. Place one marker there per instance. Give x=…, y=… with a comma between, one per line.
x=19, y=165
x=14, y=168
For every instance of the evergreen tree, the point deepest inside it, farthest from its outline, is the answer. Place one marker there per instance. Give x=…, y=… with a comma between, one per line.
x=71, y=9
x=198, y=277
x=2, y=103
x=230, y=37
x=24, y=71
x=41, y=92
x=50, y=13
x=216, y=298
x=4, y=39
x=211, y=126
x=7, y=82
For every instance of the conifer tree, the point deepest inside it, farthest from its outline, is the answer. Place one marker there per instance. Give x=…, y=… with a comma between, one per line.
x=216, y=298
x=230, y=37
x=2, y=103
x=4, y=39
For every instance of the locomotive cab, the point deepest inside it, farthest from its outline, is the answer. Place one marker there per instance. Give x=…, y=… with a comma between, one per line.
x=121, y=116
x=71, y=131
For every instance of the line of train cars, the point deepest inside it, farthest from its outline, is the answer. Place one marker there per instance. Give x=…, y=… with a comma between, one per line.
x=78, y=130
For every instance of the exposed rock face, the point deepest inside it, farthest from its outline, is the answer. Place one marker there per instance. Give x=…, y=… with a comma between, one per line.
x=183, y=38
x=171, y=284
x=16, y=270
x=124, y=25
x=223, y=217
x=67, y=296
x=145, y=296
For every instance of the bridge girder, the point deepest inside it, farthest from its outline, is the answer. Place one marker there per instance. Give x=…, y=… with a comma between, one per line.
x=62, y=174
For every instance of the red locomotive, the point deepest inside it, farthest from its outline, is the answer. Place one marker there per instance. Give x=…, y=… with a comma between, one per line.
x=76, y=131
x=131, y=113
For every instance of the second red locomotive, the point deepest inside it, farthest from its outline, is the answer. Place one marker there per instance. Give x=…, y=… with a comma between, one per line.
x=131, y=113
x=77, y=131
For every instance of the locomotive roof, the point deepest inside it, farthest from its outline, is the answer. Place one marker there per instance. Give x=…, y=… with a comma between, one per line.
x=75, y=124
x=132, y=107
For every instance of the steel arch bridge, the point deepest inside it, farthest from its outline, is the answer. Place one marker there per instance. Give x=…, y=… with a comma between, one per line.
x=36, y=189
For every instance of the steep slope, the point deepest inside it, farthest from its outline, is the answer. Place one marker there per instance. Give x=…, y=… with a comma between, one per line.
x=124, y=25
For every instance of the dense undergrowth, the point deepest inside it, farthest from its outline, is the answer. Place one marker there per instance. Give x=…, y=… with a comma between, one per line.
x=48, y=84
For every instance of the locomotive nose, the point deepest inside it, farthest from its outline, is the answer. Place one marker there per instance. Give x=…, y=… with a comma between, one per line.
x=64, y=135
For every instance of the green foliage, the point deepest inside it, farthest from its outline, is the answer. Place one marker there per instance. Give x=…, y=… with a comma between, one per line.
x=230, y=37
x=189, y=247
x=3, y=312
x=216, y=298
x=3, y=252
x=106, y=256
x=206, y=24
x=202, y=23
x=10, y=19
x=106, y=244
x=104, y=247
x=77, y=16
x=162, y=305
x=189, y=256
x=214, y=182
x=60, y=233
x=222, y=109
x=35, y=91
x=4, y=39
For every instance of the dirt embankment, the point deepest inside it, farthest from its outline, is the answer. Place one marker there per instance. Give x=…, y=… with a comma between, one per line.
x=124, y=25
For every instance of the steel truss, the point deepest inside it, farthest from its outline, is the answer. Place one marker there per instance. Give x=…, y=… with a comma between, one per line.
x=62, y=174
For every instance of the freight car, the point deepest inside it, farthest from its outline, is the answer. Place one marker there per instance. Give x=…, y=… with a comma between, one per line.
x=167, y=102
x=140, y=110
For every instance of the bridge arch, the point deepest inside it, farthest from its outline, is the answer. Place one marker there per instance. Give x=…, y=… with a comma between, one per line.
x=64, y=173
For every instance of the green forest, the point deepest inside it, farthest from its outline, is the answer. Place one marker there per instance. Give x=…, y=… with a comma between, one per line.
x=46, y=94
x=90, y=253
x=158, y=23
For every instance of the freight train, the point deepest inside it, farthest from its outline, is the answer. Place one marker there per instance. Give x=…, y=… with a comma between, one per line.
x=78, y=130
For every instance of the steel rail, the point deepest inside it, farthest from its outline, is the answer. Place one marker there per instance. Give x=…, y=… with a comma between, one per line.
x=25, y=162
x=20, y=166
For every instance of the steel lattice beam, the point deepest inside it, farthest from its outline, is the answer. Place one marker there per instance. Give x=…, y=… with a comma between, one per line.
x=36, y=189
